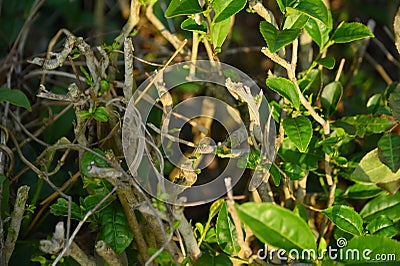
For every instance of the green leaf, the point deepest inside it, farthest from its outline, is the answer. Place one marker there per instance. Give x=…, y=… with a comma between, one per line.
x=215, y=208
x=345, y=218
x=327, y=62
x=101, y=114
x=348, y=32
x=330, y=96
x=367, y=124
x=311, y=83
x=372, y=170
x=164, y=258
x=374, y=103
x=293, y=171
x=394, y=102
x=88, y=158
x=277, y=39
x=275, y=174
x=382, y=205
x=382, y=226
x=60, y=208
x=295, y=20
x=285, y=88
x=183, y=7
x=283, y=4
x=226, y=232
x=219, y=260
x=226, y=8
x=316, y=9
x=114, y=229
x=191, y=25
x=389, y=151
x=370, y=248
x=15, y=97
x=277, y=226
x=219, y=33
x=318, y=31
x=362, y=191
x=299, y=130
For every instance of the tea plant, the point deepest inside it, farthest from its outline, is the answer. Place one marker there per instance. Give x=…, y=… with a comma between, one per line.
x=330, y=195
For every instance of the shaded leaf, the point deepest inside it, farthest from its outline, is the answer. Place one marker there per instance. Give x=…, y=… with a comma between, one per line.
x=285, y=88
x=183, y=7
x=330, y=96
x=114, y=229
x=327, y=62
x=220, y=32
x=15, y=97
x=374, y=102
x=88, y=158
x=191, y=25
x=318, y=31
x=299, y=130
x=389, y=151
x=372, y=170
x=226, y=232
x=382, y=205
x=226, y=8
x=345, y=218
x=277, y=39
x=277, y=226
x=60, y=208
x=311, y=83
x=219, y=260
x=367, y=124
x=394, y=102
x=348, y=32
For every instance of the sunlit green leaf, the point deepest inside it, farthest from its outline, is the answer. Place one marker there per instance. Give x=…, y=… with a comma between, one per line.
x=226, y=8
x=376, y=246
x=285, y=88
x=226, y=232
x=183, y=7
x=372, y=170
x=220, y=32
x=277, y=226
x=60, y=208
x=345, y=218
x=299, y=130
x=293, y=171
x=382, y=205
x=362, y=191
x=318, y=31
x=283, y=4
x=383, y=226
x=348, y=32
x=295, y=20
x=277, y=39
x=316, y=9
x=191, y=25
